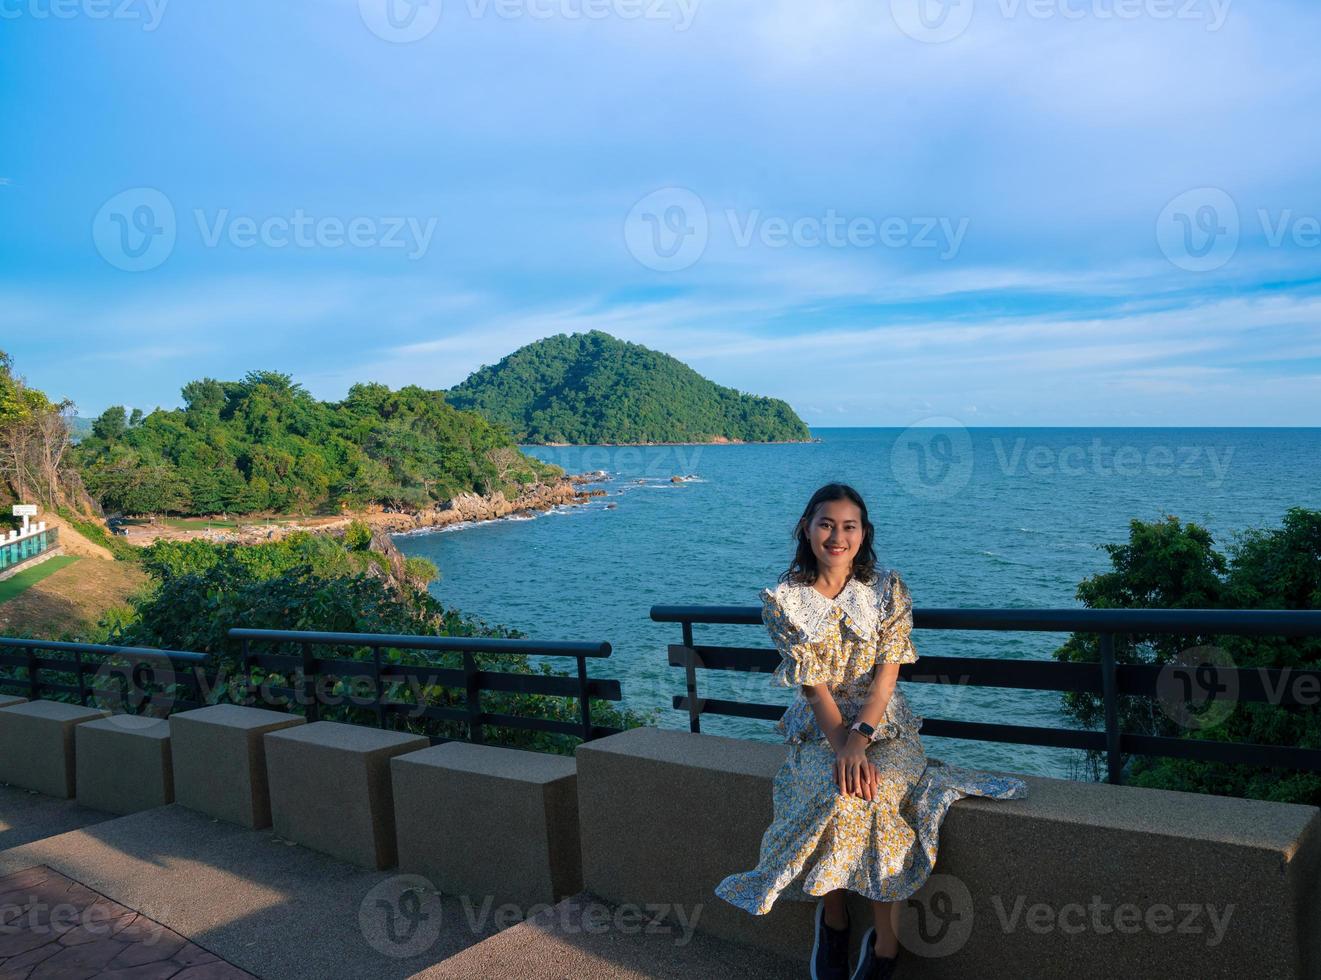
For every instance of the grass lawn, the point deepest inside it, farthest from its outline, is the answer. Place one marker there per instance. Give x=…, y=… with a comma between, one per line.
x=11, y=587
x=192, y=523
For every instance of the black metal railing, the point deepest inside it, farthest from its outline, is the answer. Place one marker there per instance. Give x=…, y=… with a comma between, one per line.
x=311, y=671
x=1281, y=686
x=138, y=680
x=144, y=680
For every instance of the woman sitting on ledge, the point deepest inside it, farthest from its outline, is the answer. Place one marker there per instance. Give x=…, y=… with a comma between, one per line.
x=857, y=807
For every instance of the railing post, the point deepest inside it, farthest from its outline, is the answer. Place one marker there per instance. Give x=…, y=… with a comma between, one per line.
x=1110, y=691
x=584, y=701
x=690, y=674
x=137, y=682
x=380, y=694
x=473, y=690
x=245, y=654
x=82, y=685
x=34, y=688
x=311, y=707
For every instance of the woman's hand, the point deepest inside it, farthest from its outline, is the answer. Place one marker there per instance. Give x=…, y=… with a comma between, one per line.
x=854, y=773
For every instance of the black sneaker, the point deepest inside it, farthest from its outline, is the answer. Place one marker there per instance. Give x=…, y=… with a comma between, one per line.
x=830, y=951
x=870, y=966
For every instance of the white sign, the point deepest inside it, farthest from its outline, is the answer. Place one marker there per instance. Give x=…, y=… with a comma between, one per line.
x=26, y=510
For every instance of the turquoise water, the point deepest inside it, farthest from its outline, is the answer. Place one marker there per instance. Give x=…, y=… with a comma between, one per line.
x=978, y=517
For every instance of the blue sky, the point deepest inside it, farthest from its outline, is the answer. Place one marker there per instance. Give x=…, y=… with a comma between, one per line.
x=1012, y=212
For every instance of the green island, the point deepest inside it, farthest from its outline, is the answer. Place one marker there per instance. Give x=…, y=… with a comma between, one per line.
x=593, y=389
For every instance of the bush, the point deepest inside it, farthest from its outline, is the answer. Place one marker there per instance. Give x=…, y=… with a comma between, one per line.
x=316, y=583
x=1171, y=565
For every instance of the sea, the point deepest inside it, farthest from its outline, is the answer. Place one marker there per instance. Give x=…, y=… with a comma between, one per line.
x=971, y=517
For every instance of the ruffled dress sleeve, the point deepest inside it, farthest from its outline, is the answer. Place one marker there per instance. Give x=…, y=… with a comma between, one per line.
x=801, y=661
x=894, y=644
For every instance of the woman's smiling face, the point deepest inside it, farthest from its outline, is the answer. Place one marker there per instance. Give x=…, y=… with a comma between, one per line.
x=836, y=534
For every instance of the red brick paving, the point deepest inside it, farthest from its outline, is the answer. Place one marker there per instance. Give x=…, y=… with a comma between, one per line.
x=53, y=928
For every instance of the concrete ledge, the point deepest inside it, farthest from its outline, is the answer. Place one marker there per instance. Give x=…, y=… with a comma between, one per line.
x=8, y=700
x=1077, y=879
x=124, y=764
x=330, y=788
x=220, y=761
x=515, y=811
x=37, y=745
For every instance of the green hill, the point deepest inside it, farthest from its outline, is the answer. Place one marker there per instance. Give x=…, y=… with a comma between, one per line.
x=265, y=444
x=593, y=388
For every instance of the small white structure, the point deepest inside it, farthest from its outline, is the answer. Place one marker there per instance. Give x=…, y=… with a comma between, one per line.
x=29, y=545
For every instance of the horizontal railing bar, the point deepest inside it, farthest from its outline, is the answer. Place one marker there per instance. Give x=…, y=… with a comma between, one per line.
x=1273, y=685
x=489, y=680
x=1205, y=750
x=982, y=731
x=1240, y=753
x=279, y=662
x=1040, y=675
x=458, y=644
x=733, y=709
x=100, y=648
x=1237, y=622
x=1284, y=686
x=1057, y=738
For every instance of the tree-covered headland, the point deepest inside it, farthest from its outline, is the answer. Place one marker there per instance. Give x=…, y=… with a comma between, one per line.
x=264, y=444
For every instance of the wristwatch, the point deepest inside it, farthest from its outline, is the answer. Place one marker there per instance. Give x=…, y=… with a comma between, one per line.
x=868, y=732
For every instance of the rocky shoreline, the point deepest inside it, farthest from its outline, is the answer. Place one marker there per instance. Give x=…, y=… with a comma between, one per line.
x=490, y=507
x=717, y=441
x=465, y=507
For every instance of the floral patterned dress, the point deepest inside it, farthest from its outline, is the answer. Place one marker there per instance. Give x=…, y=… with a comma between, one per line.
x=820, y=839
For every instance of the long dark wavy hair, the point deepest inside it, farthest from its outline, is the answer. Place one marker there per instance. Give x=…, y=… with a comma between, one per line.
x=803, y=570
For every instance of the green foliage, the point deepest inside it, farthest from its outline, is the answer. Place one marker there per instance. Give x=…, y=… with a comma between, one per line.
x=420, y=570
x=592, y=388
x=357, y=536
x=265, y=444
x=307, y=582
x=111, y=425
x=1172, y=565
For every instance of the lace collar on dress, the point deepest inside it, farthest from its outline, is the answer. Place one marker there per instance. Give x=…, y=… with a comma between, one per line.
x=814, y=614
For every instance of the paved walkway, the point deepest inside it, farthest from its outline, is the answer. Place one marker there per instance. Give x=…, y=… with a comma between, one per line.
x=54, y=928
x=281, y=911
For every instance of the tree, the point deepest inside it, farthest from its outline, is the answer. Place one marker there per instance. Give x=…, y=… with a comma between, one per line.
x=111, y=424
x=1171, y=565
x=264, y=443
x=34, y=440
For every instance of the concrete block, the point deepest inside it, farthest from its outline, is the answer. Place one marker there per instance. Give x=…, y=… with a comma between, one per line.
x=37, y=746
x=1076, y=879
x=515, y=811
x=330, y=788
x=220, y=760
x=8, y=699
x=124, y=764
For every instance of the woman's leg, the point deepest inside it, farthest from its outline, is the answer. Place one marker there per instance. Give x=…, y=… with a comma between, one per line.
x=887, y=928
x=837, y=912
